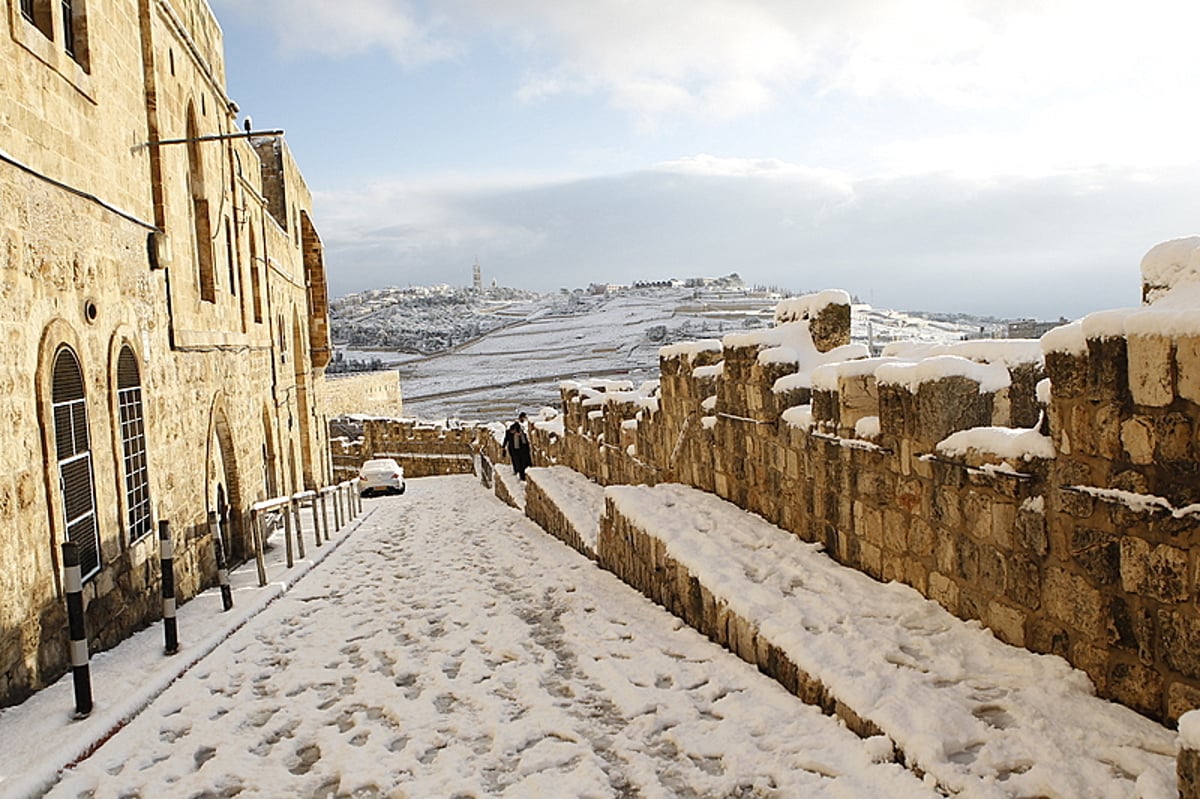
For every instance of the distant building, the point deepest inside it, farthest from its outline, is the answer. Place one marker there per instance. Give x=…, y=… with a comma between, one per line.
x=477, y=283
x=1031, y=328
x=164, y=313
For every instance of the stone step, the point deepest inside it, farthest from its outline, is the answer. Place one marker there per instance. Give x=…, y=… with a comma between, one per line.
x=977, y=716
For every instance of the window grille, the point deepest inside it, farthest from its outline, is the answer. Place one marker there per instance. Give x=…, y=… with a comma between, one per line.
x=68, y=27
x=27, y=10
x=133, y=446
x=73, y=450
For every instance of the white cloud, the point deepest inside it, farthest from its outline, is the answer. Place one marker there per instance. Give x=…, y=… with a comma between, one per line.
x=1042, y=246
x=348, y=27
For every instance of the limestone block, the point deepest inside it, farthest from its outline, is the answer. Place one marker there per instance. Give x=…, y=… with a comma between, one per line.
x=1187, y=367
x=871, y=559
x=921, y=538
x=1108, y=370
x=944, y=591
x=1048, y=637
x=967, y=566
x=1029, y=531
x=1150, y=361
x=1155, y=571
x=1007, y=623
x=1003, y=522
x=868, y=524
x=1187, y=773
x=1106, y=430
x=1182, y=698
x=1139, y=439
x=1179, y=632
x=893, y=568
x=895, y=531
x=857, y=398
x=1068, y=374
x=1132, y=627
x=1024, y=582
x=948, y=405
x=945, y=553
x=916, y=575
x=993, y=569
x=1174, y=438
x=1072, y=600
x=1097, y=552
x=1136, y=686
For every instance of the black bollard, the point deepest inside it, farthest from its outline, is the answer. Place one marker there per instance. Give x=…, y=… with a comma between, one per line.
x=214, y=528
x=167, y=553
x=80, y=671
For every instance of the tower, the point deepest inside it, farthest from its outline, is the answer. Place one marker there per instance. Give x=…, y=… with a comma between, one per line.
x=478, y=283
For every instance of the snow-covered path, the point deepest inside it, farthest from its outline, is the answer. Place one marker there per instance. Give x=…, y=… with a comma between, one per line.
x=450, y=648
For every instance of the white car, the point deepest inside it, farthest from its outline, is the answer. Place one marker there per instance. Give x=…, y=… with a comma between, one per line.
x=381, y=476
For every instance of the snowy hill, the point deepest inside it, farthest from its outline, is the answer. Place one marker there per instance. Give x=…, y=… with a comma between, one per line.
x=480, y=355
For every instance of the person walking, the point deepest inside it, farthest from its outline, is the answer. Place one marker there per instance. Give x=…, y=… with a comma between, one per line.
x=516, y=444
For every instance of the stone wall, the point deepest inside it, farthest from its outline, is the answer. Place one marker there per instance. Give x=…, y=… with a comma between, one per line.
x=1080, y=546
x=368, y=393
x=423, y=449
x=121, y=244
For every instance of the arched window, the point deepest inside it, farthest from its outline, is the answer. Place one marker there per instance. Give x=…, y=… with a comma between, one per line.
x=133, y=446
x=74, y=455
x=201, y=219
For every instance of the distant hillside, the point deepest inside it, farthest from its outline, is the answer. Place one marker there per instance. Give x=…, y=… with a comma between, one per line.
x=479, y=355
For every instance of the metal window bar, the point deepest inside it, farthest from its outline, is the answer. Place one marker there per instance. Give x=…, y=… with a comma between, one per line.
x=68, y=27
x=137, y=480
x=27, y=10
x=73, y=451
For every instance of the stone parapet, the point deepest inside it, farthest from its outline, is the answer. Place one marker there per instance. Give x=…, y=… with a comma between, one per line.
x=1077, y=541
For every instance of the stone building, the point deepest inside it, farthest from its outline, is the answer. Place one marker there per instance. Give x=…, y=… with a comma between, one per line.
x=163, y=313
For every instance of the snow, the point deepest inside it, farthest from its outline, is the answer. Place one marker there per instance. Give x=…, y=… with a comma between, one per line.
x=825, y=377
x=1141, y=503
x=1068, y=338
x=580, y=500
x=449, y=648
x=690, y=350
x=1044, y=391
x=1011, y=352
x=799, y=417
x=715, y=370
x=1004, y=442
x=1170, y=263
x=867, y=427
x=990, y=377
x=809, y=306
x=984, y=719
x=1171, y=274
x=1189, y=730
x=443, y=645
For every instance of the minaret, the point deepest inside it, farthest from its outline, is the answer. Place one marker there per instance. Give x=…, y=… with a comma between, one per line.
x=478, y=284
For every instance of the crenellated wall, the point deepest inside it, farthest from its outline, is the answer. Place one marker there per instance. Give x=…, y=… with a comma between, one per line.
x=1059, y=512
x=421, y=448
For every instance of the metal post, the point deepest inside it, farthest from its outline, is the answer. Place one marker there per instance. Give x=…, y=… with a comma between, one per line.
x=337, y=508
x=316, y=520
x=167, y=554
x=80, y=671
x=287, y=535
x=257, y=534
x=358, y=496
x=214, y=529
x=294, y=509
x=324, y=515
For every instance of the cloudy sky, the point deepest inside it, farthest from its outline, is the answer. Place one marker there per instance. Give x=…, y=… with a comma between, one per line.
x=1012, y=157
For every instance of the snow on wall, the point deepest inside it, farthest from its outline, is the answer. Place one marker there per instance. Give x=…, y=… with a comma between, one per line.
x=990, y=377
x=1169, y=264
x=690, y=349
x=1004, y=442
x=809, y=306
